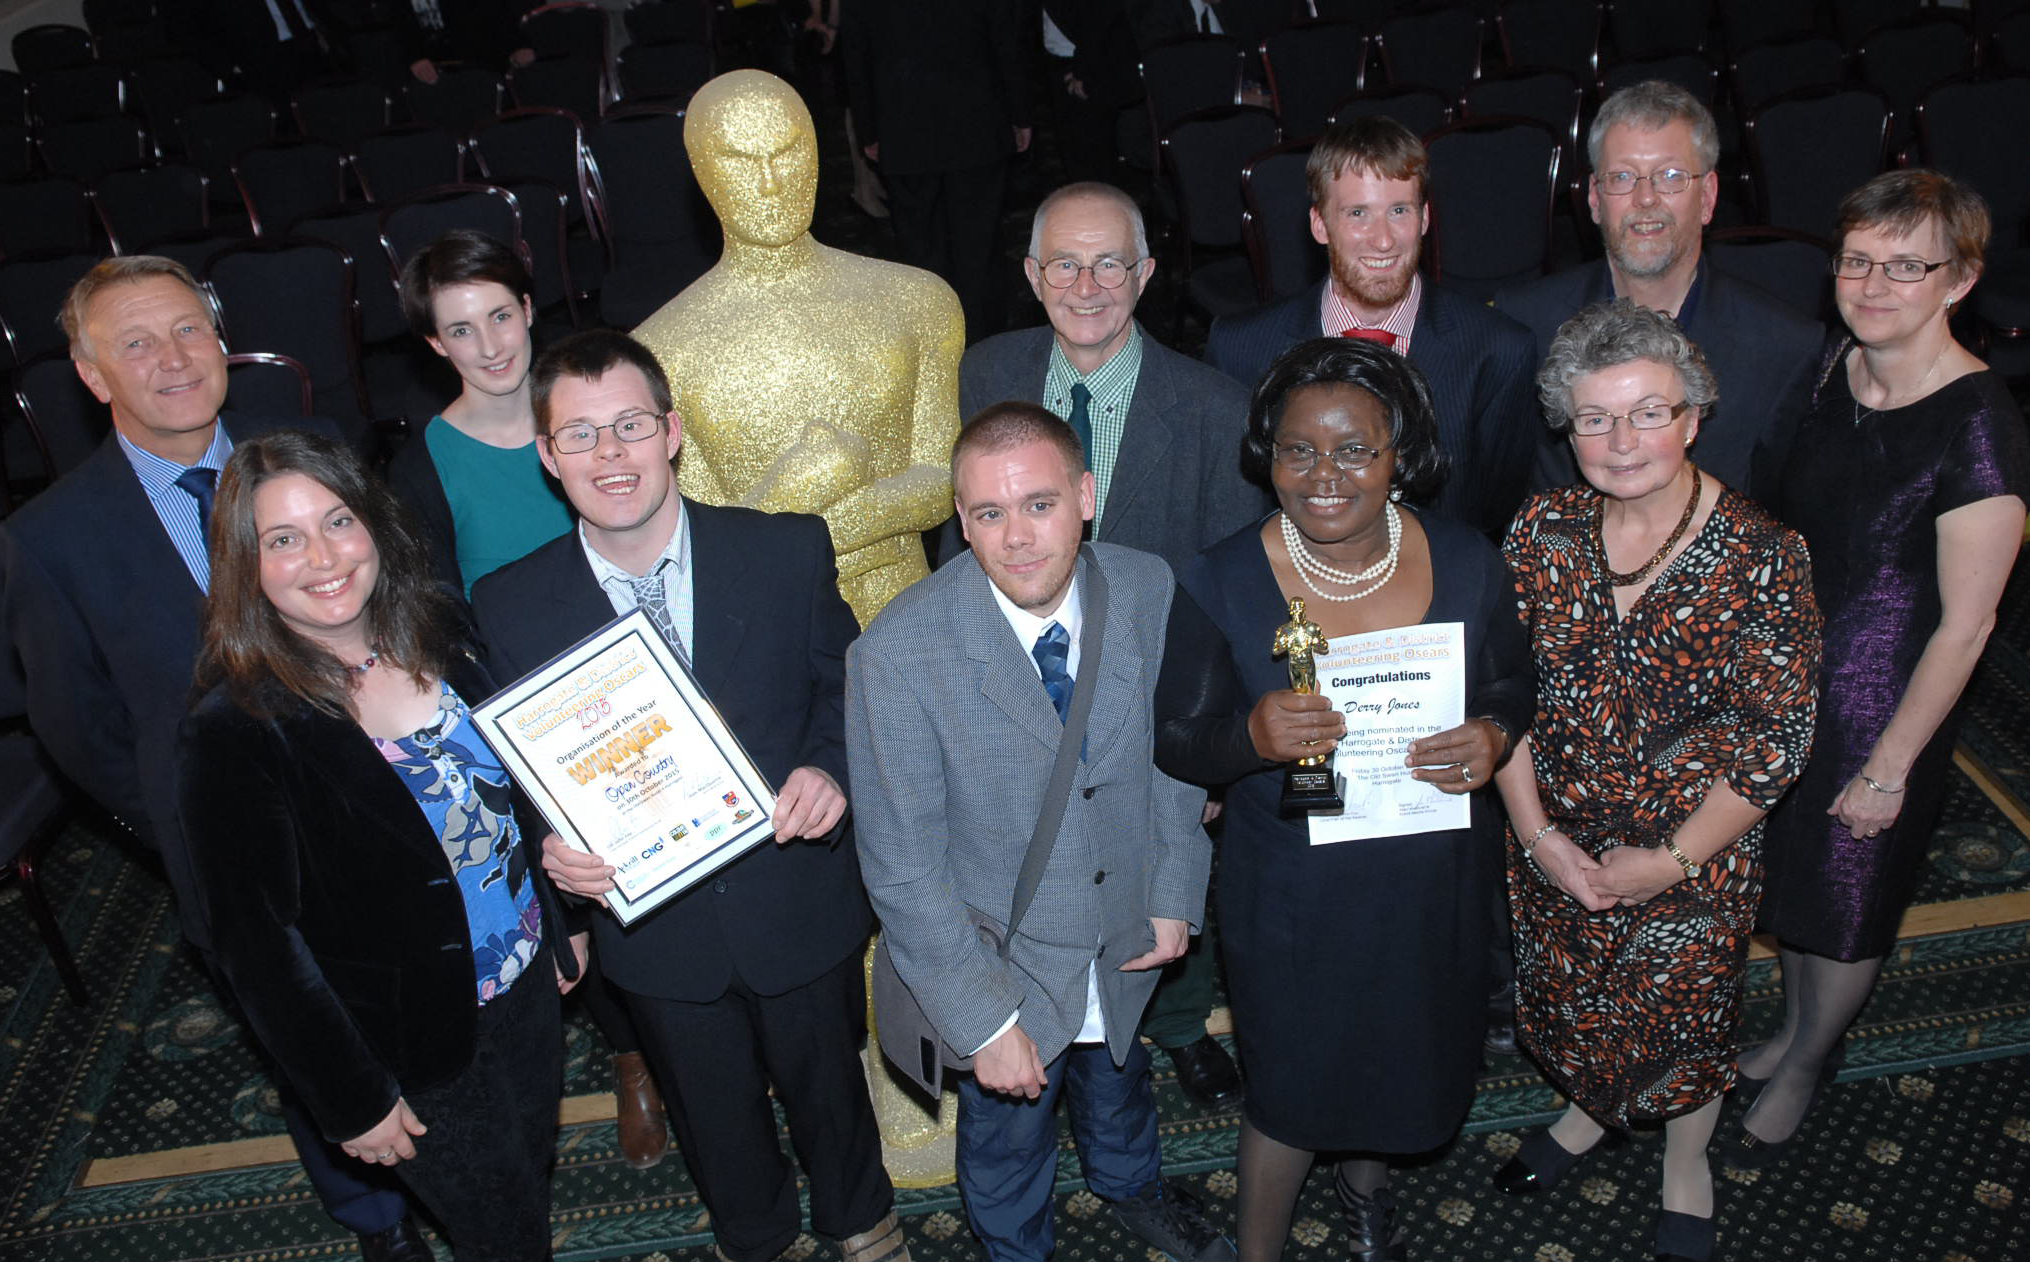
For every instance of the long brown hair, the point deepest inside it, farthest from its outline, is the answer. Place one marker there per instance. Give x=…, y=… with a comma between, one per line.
x=411, y=621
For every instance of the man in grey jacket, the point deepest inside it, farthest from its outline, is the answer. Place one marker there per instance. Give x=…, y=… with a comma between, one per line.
x=956, y=701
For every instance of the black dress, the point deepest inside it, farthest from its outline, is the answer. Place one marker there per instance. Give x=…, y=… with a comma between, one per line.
x=1866, y=489
x=1357, y=971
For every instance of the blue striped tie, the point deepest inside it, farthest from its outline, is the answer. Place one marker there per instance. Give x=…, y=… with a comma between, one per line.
x=1053, y=654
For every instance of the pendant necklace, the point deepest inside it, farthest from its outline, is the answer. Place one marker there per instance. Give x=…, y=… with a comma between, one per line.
x=1306, y=564
x=1861, y=413
x=1600, y=541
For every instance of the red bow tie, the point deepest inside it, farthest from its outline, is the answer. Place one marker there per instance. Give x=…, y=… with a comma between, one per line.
x=1382, y=336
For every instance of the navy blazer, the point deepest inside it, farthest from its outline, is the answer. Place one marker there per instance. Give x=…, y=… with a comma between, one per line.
x=1763, y=352
x=339, y=924
x=1177, y=487
x=1481, y=366
x=768, y=646
x=103, y=620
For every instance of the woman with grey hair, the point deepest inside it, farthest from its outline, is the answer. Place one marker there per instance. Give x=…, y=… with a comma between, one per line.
x=1676, y=646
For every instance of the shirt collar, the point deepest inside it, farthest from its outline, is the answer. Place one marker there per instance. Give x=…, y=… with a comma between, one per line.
x=1028, y=627
x=1123, y=366
x=1335, y=316
x=159, y=476
x=676, y=554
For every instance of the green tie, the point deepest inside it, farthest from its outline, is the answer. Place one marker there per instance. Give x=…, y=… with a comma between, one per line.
x=1081, y=420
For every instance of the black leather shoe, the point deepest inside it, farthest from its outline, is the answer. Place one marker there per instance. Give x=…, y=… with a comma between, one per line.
x=1500, y=1039
x=1539, y=1165
x=1683, y=1237
x=1172, y=1222
x=399, y=1243
x=1207, y=1073
x=1371, y=1224
x=1749, y=1151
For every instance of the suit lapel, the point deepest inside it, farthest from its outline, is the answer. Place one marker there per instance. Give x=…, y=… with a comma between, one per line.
x=1008, y=675
x=718, y=625
x=1145, y=439
x=128, y=521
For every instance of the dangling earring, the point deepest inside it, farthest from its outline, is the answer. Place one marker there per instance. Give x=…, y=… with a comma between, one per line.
x=1395, y=495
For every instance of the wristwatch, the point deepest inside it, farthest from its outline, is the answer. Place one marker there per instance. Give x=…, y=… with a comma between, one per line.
x=1692, y=870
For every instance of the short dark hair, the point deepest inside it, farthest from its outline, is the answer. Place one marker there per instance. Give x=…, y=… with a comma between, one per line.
x=1374, y=143
x=412, y=620
x=461, y=256
x=1338, y=361
x=1904, y=201
x=589, y=356
x=1011, y=423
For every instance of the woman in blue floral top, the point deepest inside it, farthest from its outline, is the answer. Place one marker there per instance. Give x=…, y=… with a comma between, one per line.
x=375, y=904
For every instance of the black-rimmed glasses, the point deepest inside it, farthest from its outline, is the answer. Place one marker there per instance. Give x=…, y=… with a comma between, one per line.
x=628, y=427
x=1906, y=271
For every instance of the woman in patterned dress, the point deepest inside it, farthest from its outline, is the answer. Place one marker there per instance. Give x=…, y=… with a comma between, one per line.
x=1676, y=646
x=1908, y=481
x=377, y=910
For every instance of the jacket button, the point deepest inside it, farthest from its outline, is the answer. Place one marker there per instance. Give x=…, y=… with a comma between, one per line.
x=718, y=887
x=1100, y=877
x=1088, y=793
x=438, y=880
x=454, y=946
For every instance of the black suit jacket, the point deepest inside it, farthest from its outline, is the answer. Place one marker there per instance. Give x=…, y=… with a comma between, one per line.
x=103, y=620
x=769, y=640
x=939, y=86
x=1763, y=352
x=1481, y=366
x=337, y=921
x=1177, y=487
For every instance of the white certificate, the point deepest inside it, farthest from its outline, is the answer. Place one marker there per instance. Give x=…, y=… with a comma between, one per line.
x=629, y=760
x=1393, y=687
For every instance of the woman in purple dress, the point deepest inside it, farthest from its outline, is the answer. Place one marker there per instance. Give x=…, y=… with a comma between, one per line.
x=1908, y=482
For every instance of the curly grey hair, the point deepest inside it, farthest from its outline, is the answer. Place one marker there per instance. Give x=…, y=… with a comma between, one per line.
x=1608, y=334
x=1653, y=105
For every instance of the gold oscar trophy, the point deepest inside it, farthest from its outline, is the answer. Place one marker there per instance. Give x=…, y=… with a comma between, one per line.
x=1308, y=784
x=812, y=380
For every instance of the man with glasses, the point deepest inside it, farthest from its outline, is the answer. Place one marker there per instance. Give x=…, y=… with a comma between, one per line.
x=1369, y=183
x=1161, y=434
x=1652, y=149
x=750, y=980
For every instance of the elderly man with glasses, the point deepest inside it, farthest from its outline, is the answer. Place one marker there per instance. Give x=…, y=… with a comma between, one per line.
x=1653, y=189
x=1162, y=437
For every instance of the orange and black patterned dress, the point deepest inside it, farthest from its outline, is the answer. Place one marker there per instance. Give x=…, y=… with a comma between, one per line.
x=1632, y=1011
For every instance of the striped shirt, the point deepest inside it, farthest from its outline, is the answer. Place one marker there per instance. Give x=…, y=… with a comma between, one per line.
x=1336, y=317
x=1113, y=389
x=675, y=566
x=175, y=507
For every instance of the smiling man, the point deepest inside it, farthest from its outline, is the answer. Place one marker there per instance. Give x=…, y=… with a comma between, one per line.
x=1161, y=434
x=957, y=702
x=1653, y=147
x=1369, y=181
x=749, y=981
x=102, y=581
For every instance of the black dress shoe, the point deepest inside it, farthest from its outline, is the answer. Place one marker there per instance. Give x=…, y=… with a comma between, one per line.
x=1172, y=1222
x=1371, y=1223
x=1207, y=1073
x=1683, y=1237
x=1540, y=1164
x=1500, y=1039
x=1749, y=1151
x=399, y=1243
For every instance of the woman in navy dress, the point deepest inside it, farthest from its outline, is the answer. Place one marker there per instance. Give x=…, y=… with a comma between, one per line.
x=1907, y=481
x=1358, y=969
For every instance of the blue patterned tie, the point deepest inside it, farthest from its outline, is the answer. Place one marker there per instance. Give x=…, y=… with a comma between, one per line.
x=1053, y=654
x=1081, y=418
x=650, y=596
x=202, y=484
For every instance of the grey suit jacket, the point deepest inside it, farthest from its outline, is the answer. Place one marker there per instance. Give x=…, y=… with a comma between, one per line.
x=949, y=740
x=1177, y=487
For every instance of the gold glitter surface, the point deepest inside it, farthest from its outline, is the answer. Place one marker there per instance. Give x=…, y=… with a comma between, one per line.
x=809, y=379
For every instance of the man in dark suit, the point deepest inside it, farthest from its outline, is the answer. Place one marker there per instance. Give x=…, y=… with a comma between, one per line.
x=273, y=46
x=750, y=979
x=102, y=583
x=940, y=98
x=1162, y=438
x=1368, y=179
x=1653, y=148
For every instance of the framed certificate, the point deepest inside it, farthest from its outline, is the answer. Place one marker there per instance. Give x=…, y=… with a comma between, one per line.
x=629, y=760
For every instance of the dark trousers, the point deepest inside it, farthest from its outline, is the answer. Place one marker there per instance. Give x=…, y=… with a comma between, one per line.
x=606, y=1004
x=1007, y=1148
x=483, y=1168
x=1183, y=995
x=714, y=1062
x=1084, y=127
x=947, y=222
x=359, y=1197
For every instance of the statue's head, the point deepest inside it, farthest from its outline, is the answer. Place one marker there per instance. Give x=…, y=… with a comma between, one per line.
x=755, y=152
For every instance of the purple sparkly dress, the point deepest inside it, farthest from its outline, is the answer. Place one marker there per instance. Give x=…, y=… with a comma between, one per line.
x=1865, y=490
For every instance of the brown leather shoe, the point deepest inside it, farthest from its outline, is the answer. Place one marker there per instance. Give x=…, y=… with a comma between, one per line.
x=644, y=1133
x=883, y=1242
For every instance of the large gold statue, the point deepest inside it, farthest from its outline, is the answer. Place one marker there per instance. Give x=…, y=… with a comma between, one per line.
x=809, y=379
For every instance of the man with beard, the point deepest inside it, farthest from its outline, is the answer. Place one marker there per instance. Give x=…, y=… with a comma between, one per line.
x=1653, y=149
x=1369, y=178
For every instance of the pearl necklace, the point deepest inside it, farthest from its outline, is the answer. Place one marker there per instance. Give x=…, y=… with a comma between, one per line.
x=1306, y=564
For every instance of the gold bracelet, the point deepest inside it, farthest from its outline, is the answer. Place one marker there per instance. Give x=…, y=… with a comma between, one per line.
x=1691, y=869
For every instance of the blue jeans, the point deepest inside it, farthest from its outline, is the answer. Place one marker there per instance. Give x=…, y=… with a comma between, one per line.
x=1007, y=1148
